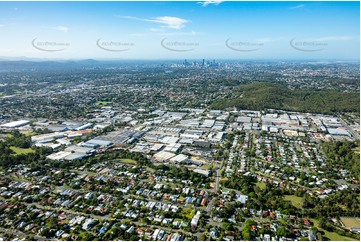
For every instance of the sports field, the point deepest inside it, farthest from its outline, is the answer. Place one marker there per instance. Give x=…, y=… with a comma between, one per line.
x=296, y=201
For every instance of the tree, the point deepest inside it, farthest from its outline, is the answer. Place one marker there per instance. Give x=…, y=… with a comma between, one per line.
x=246, y=234
x=52, y=223
x=86, y=236
x=246, y=230
x=314, y=229
x=281, y=231
x=45, y=232
x=133, y=238
x=227, y=226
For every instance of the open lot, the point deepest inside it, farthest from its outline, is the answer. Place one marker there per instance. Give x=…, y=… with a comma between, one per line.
x=129, y=161
x=351, y=222
x=103, y=103
x=261, y=185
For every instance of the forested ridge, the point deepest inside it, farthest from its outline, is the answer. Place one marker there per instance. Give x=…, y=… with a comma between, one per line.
x=262, y=95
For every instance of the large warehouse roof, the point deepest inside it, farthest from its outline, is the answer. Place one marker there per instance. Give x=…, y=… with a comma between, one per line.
x=15, y=124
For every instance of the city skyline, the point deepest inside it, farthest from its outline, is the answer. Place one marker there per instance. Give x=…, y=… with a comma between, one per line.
x=180, y=30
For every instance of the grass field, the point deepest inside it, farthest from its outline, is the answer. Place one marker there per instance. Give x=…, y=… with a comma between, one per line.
x=351, y=222
x=128, y=161
x=332, y=235
x=296, y=201
x=149, y=169
x=103, y=103
x=207, y=166
x=20, y=151
x=28, y=133
x=261, y=185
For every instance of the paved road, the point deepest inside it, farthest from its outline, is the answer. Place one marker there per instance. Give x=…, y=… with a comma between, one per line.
x=216, y=187
x=218, y=175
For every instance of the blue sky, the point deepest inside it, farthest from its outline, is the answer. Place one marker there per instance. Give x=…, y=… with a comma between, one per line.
x=178, y=30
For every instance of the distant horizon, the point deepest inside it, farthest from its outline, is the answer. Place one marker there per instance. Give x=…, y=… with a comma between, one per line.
x=35, y=59
x=181, y=30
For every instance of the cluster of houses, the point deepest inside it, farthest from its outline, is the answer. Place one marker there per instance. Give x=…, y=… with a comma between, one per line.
x=275, y=147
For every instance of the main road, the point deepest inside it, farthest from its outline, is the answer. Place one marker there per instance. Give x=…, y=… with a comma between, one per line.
x=216, y=187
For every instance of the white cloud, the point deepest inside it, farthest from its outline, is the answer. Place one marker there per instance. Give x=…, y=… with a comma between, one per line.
x=166, y=21
x=210, y=2
x=61, y=28
x=165, y=32
x=298, y=6
x=191, y=33
x=171, y=22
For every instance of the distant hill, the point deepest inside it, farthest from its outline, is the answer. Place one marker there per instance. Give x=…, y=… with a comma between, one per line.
x=23, y=63
x=39, y=64
x=87, y=62
x=262, y=95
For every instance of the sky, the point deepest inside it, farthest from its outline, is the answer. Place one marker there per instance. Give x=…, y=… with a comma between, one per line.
x=180, y=30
